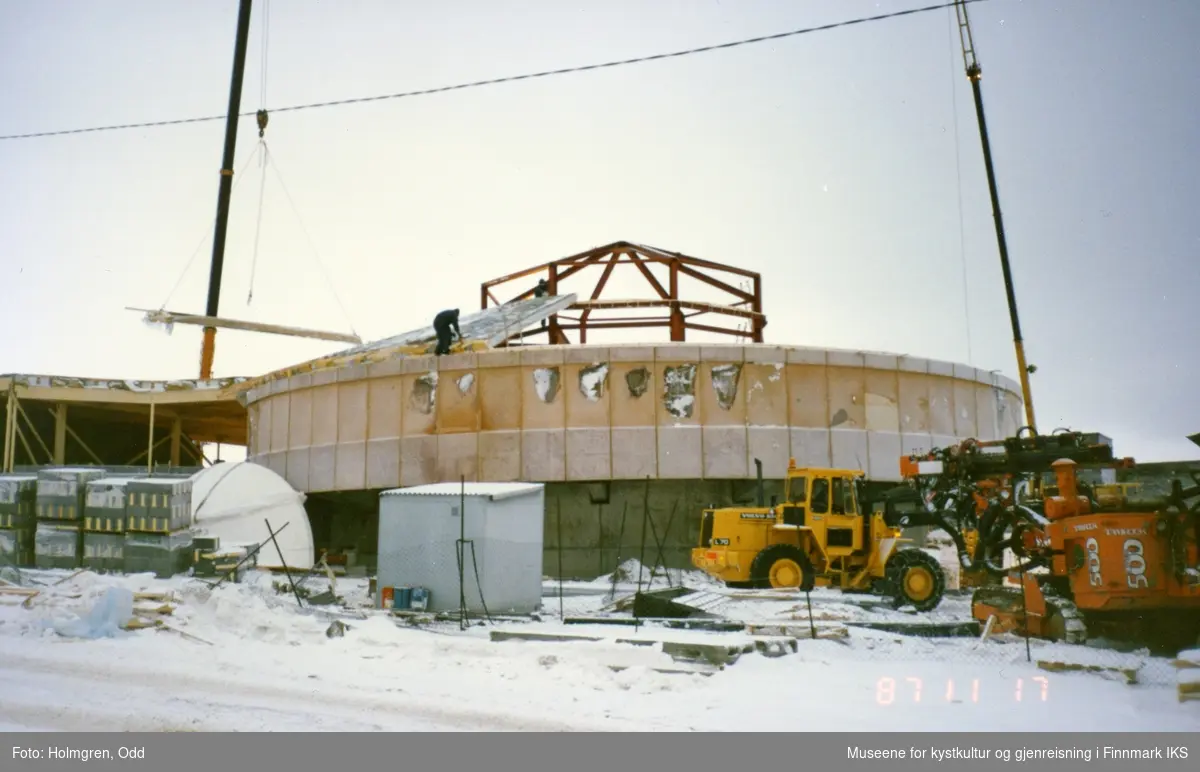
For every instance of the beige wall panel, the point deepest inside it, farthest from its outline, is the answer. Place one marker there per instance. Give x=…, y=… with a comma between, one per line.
x=457, y=402
x=352, y=411
x=542, y=454
x=772, y=446
x=324, y=415
x=351, y=459
x=915, y=444
x=386, y=400
x=883, y=453
x=458, y=455
x=914, y=402
x=808, y=396
x=322, y=459
x=543, y=405
x=811, y=447
x=587, y=391
x=383, y=462
x=847, y=398
x=986, y=415
x=680, y=452
x=941, y=406
x=297, y=469
x=634, y=452
x=848, y=448
x=500, y=456
x=262, y=427
x=725, y=452
x=280, y=422
x=634, y=392
x=277, y=463
x=253, y=446
x=300, y=419
x=965, y=413
x=882, y=401
x=722, y=393
x=499, y=399
x=1014, y=414
x=765, y=389
x=419, y=398
x=418, y=459
x=589, y=454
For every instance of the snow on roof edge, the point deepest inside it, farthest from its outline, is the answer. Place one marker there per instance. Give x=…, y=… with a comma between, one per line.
x=492, y=490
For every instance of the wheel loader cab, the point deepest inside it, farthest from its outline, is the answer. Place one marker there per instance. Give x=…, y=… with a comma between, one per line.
x=833, y=512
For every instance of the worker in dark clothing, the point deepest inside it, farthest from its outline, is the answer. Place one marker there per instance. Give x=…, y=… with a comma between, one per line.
x=444, y=324
x=542, y=289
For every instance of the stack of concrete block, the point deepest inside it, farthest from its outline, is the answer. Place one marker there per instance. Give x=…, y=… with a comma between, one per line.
x=158, y=521
x=104, y=525
x=18, y=520
x=58, y=541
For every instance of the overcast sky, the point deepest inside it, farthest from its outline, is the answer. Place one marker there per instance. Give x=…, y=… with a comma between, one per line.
x=831, y=162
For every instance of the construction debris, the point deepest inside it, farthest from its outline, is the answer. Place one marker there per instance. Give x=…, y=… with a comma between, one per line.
x=1187, y=663
x=1128, y=674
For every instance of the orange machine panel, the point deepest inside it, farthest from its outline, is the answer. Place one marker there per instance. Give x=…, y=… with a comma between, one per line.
x=1116, y=561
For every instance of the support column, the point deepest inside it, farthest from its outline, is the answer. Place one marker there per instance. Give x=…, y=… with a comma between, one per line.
x=60, y=434
x=678, y=326
x=176, y=439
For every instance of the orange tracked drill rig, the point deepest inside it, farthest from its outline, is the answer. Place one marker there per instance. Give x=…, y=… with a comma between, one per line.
x=1090, y=560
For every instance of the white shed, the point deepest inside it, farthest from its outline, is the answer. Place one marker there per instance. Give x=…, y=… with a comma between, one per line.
x=419, y=529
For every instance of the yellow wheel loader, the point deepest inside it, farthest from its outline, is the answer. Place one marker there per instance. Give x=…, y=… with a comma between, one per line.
x=818, y=537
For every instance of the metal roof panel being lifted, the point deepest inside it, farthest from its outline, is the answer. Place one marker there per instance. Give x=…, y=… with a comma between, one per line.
x=483, y=329
x=491, y=326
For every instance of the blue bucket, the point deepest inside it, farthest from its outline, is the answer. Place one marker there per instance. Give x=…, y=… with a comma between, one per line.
x=418, y=598
x=403, y=600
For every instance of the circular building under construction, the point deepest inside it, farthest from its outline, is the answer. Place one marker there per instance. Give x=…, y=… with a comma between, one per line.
x=614, y=431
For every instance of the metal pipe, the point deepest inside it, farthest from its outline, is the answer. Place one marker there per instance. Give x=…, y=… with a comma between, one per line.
x=225, y=189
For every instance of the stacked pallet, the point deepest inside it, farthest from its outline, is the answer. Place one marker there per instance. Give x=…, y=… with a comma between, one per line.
x=104, y=525
x=158, y=523
x=18, y=520
x=210, y=560
x=58, y=540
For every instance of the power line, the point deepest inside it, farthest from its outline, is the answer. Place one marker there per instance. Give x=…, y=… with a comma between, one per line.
x=513, y=78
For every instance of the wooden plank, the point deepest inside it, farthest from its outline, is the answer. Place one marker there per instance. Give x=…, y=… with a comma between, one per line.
x=1129, y=674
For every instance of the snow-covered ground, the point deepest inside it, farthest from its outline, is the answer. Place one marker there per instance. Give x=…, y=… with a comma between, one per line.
x=251, y=660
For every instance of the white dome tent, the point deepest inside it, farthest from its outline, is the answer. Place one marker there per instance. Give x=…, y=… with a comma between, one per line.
x=233, y=501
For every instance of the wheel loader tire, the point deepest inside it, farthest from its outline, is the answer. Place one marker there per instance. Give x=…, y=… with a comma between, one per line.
x=917, y=579
x=782, y=566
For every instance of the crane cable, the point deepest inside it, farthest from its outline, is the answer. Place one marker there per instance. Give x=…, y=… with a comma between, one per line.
x=962, y=236
x=526, y=76
x=264, y=157
x=312, y=245
x=208, y=232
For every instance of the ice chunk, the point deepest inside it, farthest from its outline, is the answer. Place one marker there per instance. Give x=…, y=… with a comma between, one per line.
x=112, y=610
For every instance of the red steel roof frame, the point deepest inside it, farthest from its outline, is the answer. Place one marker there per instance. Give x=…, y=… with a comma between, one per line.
x=745, y=305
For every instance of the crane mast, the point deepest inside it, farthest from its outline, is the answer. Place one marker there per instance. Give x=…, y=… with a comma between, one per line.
x=974, y=74
x=225, y=189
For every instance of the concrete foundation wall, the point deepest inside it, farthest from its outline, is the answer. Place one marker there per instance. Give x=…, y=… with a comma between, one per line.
x=679, y=412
